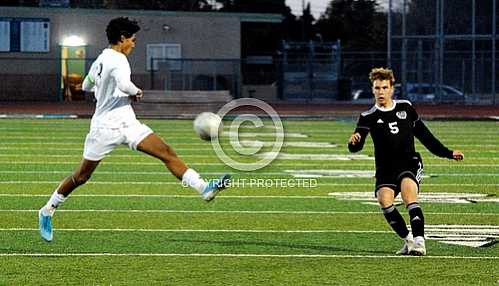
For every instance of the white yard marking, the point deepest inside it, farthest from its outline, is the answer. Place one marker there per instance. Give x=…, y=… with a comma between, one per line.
x=172, y=196
x=465, y=235
x=198, y=230
x=193, y=211
x=331, y=173
x=179, y=184
x=135, y=155
x=80, y=149
x=294, y=173
x=320, y=157
x=11, y=144
x=165, y=172
x=91, y=183
x=257, y=143
x=270, y=134
x=231, y=211
x=248, y=255
x=317, y=173
x=107, y=162
x=41, y=144
x=431, y=197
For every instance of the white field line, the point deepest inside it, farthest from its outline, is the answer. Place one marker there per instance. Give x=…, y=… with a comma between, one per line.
x=91, y=183
x=107, y=162
x=303, y=157
x=51, y=132
x=292, y=132
x=41, y=144
x=256, y=184
x=169, y=196
x=466, y=230
x=200, y=230
x=170, y=123
x=458, y=226
x=80, y=149
x=190, y=130
x=235, y=212
x=189, y=211
x=188, y=141
x=458, y=141
x=253, y=174
x=183, y=135
x=295, y=128
x=246, y=255
x=289, y=144
x=38, y=156
x=147, y=173
x=15, y=145
x=84, y=131
x=268, y=128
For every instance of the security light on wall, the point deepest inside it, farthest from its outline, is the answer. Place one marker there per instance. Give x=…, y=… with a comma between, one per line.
x=73, y=41
x=167, y=28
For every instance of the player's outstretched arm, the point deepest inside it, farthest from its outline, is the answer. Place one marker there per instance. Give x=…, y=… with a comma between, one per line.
x=430, y=142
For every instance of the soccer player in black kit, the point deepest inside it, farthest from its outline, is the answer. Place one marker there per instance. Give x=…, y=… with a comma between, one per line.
x=393, y=124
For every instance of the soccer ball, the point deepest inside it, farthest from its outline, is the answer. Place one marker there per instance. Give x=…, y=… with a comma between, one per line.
x=207, y=125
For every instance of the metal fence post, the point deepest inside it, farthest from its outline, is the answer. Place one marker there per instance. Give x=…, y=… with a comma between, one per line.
x=494, y=38
x=151, y=70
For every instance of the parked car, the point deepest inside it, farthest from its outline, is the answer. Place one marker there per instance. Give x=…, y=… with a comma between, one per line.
x=361, y=94
x=364, y=95
x=426, y=92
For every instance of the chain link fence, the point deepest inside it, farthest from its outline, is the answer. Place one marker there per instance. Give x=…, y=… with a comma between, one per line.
x=444, y=43
x=196, y=74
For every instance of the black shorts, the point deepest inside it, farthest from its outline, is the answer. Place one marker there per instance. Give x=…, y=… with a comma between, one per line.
x=391, y=176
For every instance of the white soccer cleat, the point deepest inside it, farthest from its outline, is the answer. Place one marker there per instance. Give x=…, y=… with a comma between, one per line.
x=408, y=245
x=418, y=248
x=214, y=187
x=45, y=225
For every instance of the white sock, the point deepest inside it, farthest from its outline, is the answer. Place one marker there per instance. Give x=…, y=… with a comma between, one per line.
x=55, y=200
x=408, y=237
x=192, y=179
x=419, y=238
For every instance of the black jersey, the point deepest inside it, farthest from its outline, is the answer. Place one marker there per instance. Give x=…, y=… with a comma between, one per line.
x=393, y=131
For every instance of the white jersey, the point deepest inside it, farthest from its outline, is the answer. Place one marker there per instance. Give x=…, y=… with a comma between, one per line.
x=109, y=78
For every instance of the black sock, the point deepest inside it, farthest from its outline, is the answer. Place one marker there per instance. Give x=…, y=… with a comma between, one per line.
x=417, y=219
x=396, y=221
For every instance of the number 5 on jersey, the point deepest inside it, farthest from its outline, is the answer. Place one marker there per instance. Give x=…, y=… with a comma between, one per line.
x=394, y=129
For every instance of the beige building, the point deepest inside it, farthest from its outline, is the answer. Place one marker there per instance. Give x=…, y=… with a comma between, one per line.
x=28, y=75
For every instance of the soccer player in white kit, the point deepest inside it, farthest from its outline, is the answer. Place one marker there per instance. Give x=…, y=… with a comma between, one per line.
x=114, y=123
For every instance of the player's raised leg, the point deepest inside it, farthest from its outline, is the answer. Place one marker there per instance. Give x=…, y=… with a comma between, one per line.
x=78, y=178
x=156, y=147
x=386, y=196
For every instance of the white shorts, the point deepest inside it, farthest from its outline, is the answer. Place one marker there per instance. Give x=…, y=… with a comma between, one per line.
x=101, y=141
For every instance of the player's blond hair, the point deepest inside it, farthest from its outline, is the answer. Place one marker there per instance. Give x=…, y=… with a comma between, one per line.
x=382, y=74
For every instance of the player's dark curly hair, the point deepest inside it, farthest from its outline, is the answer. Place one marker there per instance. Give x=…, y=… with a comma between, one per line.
x=382, y=74
x=121, y=26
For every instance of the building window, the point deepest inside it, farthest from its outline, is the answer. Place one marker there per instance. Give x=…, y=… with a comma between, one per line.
x=169, y=53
